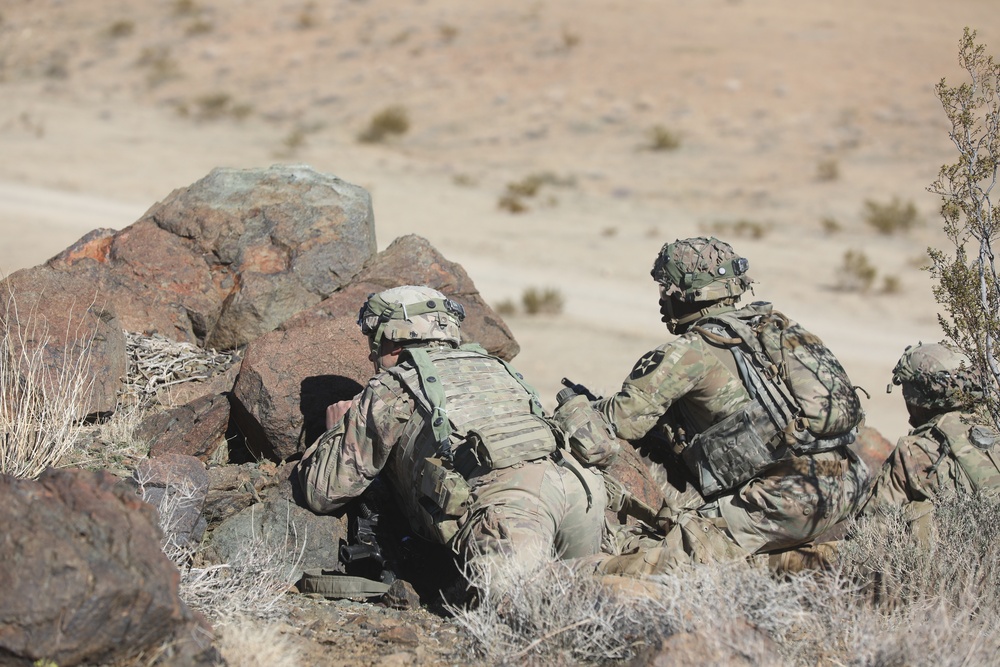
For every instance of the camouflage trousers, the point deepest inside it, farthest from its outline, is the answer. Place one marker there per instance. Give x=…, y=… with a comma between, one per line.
x=533, y=511
x=793, y=503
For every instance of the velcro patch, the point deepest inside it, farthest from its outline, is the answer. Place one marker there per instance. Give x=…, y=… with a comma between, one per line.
x=647, y=364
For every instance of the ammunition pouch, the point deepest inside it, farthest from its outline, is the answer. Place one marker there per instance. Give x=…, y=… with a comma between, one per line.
x=590, y=438
x=511, y=440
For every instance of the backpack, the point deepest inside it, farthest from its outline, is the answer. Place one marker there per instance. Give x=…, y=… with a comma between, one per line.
x=791, y=372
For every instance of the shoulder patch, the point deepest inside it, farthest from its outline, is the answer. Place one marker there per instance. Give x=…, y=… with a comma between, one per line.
x=647, y=364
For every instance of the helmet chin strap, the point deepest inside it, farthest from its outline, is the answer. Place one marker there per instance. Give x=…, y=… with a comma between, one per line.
x=678, y=325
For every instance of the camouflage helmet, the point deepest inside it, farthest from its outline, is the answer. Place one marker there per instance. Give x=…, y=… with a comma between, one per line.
x=936, y=376
x=410, y=313
x=701, y=269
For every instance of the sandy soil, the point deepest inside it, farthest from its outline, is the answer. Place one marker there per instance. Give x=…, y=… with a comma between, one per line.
x=107, y=106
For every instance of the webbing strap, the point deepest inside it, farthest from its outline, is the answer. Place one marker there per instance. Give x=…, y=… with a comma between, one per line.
x=431, y=385
x=338, y=586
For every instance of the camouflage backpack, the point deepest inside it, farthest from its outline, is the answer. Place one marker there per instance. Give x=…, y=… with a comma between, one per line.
x=802, y=385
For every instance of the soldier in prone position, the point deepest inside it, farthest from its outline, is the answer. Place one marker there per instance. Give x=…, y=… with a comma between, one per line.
x=736, y=397
x=461, y=439
x=951, y=448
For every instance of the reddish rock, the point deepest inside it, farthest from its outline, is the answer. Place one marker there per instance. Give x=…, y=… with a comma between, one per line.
x=287, y=379
x=76, y=325
x=412, y=260
x=84, y=579
x=197, y=429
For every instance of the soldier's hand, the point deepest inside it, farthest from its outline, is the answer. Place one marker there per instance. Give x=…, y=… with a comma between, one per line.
x=336, y=412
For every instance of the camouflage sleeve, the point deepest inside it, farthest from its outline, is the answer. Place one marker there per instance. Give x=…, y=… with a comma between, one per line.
x=662, y=376
x=905, y=477
x=344, y=460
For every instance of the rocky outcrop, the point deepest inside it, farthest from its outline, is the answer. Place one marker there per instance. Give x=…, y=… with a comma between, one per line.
x=84, y=578
x=231, y=256
x=289, y=377
x=72, y=327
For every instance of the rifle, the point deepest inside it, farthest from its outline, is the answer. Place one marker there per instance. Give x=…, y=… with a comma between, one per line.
x=576, y=388
x=363, y=550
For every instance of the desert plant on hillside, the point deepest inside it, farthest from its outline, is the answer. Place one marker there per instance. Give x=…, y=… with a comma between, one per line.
x=967, y=282
x=548, y=301
x=894, y=216
x=391, y=121
x=662, y=138
x=856, y=273
x=43, y=398
x=251, y=585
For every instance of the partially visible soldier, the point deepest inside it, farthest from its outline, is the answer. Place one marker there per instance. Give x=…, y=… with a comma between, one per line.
x=950, y=448
x=460, y=437
x=756, y=408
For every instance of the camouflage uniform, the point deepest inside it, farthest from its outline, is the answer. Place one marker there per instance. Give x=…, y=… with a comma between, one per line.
x=478, y=468
x=951, y=449
x=683, y=388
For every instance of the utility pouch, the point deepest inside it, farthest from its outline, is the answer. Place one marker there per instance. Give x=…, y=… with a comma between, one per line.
x=445, y=488
x=590, y=438
x=511, y=440
x=735, y=449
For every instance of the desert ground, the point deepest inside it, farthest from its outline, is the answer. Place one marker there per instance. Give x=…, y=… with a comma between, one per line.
x=787, y=116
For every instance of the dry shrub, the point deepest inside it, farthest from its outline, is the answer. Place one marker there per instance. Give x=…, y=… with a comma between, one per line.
x=663, y=139
x=742, y=228
x=892, y=217
x=857, y=274
x=252, y=585
x=391, y=121
x=42, y=403
x=548, y=301
x=249, y=643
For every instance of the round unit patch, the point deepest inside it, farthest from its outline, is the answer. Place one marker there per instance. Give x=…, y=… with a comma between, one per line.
x=647, y=364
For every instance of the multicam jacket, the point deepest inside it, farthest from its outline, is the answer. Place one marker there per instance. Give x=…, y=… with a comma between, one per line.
x=950, y=453
x=690, y=392
x=492, y=421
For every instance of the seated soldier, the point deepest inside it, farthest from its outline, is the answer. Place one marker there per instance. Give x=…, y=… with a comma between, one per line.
x=756, y=408
x=951, y=448
x=460, y=438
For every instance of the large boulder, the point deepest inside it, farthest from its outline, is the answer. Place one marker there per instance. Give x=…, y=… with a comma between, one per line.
x=62, y=334
x=83, y=576
x=287, y=379
x=412, y=260
x=230, y=257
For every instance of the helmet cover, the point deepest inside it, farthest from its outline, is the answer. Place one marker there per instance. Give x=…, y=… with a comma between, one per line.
x=936, y=376
x=410, y=313
x=701, y=269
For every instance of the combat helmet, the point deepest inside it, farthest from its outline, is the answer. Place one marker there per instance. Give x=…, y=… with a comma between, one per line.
x=936, y=377
x=701, y=269
x=410, y=313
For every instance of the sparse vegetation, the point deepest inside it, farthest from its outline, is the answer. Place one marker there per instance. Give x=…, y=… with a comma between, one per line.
x=828, y=169
x=856, y=273
x=968, y=286
x=214, y=106
x=891, y=601
x=660, y=138
x=894, y=216
x=159, y=64
x=43, y=400
x=570, y=39
x=120, y=28
x=830, y=225
x=546, y=301
x=307, y=17
x=199, y=27
x=389, y=122
x=447, y=33
x=741, y=228
x=514, y=199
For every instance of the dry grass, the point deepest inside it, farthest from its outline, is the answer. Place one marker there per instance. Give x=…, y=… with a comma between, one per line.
x=42, y=402
x=252, y=585
x=895, y=601
x=250, y=643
